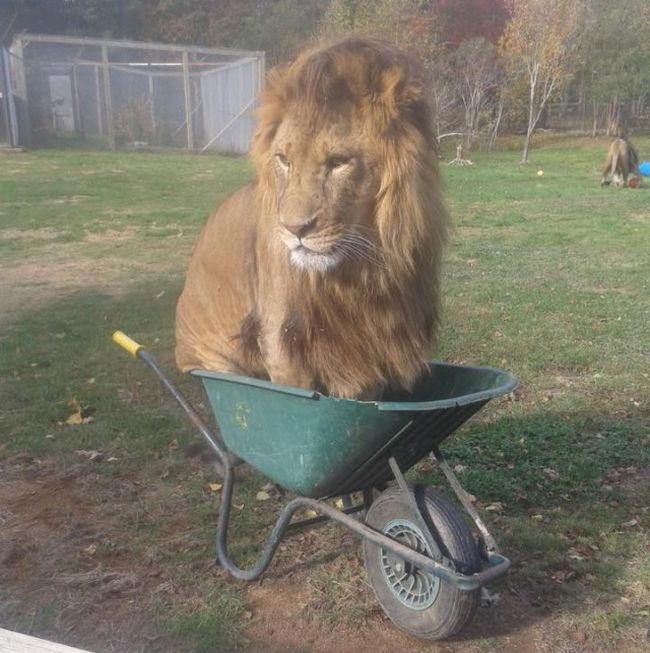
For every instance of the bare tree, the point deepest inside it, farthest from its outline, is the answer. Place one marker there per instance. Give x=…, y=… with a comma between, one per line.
x=540, y=42
x=476, y=73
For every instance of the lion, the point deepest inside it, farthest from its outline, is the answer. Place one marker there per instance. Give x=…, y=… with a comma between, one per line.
x=622, y=161
x=323, y=272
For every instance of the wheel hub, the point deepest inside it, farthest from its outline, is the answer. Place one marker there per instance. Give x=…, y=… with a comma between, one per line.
x=411, y=586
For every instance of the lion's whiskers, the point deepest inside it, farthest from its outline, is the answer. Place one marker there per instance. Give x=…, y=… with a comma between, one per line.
x=353, y=245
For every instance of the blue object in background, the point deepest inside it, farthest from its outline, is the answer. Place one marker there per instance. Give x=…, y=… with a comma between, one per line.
x=644, y=168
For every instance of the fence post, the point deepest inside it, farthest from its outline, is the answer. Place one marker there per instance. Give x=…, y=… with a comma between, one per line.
x=188, y=101
x=5, y=89
x=78, y=122
x=106, y=74
x=24, y=123
x=98, y=100
x=152, y=106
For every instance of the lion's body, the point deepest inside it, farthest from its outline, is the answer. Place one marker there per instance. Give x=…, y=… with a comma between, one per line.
x=324, y=272
x=622, y=160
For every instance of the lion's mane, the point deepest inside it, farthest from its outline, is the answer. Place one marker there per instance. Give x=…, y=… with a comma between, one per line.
x=359, y=328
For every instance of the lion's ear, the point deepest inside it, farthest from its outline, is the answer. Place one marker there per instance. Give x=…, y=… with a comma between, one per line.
x=269, y=115
x=399, y=90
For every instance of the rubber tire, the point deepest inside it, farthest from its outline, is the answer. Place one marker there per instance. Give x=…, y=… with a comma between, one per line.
x=452, y=608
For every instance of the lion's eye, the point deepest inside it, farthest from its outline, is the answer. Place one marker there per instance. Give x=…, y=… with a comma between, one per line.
x=337, y=161
x=282, y=160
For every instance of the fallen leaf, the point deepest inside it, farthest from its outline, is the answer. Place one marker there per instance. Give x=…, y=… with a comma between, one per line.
x=91, y=550
x=563, y=575
x=173, y=445
x=424, y=466
x=553, y=474
x=630, y=524
x=81, y=414
x=91, y=454
x=215, y=487
x=75, y=418
x=497, y=506
x=459, y=468
x=262, y=496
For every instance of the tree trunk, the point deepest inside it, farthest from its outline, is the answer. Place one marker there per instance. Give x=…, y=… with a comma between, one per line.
x=497, y=124
x=531, y=121
x=594, y=129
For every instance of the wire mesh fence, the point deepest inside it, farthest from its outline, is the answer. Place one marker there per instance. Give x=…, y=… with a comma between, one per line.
x=131, y=94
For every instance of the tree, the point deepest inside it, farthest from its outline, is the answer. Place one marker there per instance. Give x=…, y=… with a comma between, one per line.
x=277, y=27
x=463, y=20
x=118, y=18
x=540, y=42
x=392, y=18
x=616, y=58
x=476, y=73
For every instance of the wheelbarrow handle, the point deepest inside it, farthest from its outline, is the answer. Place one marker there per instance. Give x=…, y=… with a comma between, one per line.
x=213, y=439
x=120, y=338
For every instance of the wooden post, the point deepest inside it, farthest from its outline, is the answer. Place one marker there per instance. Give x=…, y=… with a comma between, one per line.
x=110, y=127
x=152, y=108
x=188, y=101
x=98, y=99
x=6, y=91
x=24, y=122
x=78, y=121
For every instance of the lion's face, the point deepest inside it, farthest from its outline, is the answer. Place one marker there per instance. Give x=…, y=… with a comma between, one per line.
x=326, y=185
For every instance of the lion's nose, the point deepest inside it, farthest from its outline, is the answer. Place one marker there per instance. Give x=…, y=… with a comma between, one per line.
x=300, y=228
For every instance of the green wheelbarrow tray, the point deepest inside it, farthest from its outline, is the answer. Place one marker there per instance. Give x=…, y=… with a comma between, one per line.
x=320, y=446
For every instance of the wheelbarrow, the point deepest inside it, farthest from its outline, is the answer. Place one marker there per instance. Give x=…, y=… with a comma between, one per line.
x=424, y=562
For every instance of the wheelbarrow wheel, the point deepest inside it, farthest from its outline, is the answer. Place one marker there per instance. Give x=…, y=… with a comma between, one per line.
x=416, y=601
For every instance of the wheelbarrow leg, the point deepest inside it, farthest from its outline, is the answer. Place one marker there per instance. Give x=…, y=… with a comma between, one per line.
x=463, y=497
x=415, y=509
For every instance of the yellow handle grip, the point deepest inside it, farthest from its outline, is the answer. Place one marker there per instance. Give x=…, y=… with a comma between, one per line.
x=120, y=338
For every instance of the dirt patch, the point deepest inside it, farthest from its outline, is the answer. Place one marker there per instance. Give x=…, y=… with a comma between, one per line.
x=49, y=526
x=110, y=235
x=26, y=285
x=45, y=233
x=282, y=621
x=72, y=199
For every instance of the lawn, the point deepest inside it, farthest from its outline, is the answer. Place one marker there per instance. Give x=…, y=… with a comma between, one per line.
x=107, y=509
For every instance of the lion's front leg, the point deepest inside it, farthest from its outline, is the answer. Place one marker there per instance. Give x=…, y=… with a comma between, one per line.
x=282, y=366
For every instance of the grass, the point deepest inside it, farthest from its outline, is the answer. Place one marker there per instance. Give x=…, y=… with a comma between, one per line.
x=207, y=624
x=545, y=276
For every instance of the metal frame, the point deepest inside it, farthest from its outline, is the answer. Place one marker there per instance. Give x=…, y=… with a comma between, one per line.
x=10, y=116
x=185, y=68
x=134, y=45
x=497, y=564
